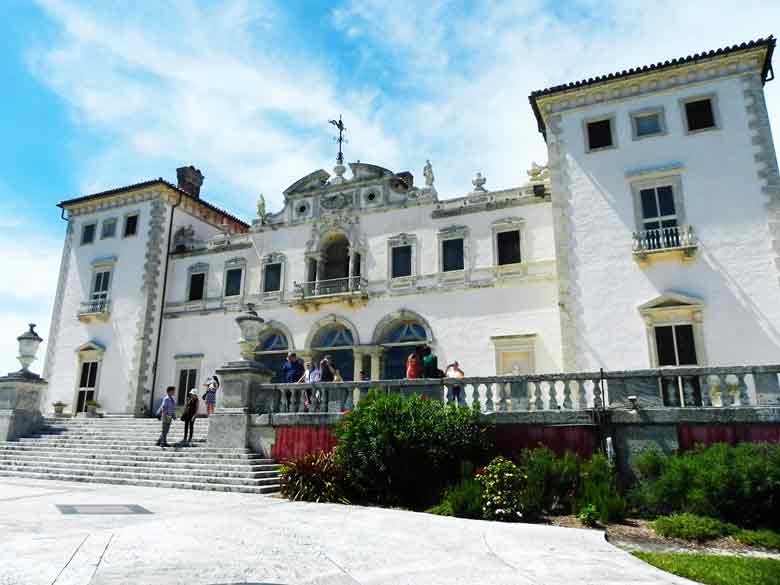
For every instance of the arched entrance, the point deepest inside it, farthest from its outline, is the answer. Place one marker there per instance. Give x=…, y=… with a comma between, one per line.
x=337, y=341
x=399, y=336
x=272, y=351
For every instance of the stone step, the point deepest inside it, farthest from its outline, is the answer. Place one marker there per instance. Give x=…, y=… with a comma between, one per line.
x=43, y=459
x=154, y=475
x=151, y=467
x=250, y=489
x=129, y=438
x=145, y=452
x=114, y=445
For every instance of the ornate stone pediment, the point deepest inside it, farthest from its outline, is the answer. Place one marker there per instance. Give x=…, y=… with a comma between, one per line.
x=337, y=201
x=315, y=180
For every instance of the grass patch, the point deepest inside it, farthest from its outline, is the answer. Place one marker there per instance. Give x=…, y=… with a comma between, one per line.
x=716, y=570
x=692, y=527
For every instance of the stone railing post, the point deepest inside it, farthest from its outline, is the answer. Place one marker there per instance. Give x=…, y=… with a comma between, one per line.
x=245, y=390
x=20, y=411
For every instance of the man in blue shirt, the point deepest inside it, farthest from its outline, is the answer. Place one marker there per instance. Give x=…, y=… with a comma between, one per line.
x=292, y=369
x=167, y=412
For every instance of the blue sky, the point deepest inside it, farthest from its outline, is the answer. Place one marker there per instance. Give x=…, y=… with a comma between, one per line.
x=106, y=93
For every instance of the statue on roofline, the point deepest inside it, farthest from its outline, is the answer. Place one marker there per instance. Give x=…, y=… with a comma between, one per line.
x=428, y=174
x=261, y=208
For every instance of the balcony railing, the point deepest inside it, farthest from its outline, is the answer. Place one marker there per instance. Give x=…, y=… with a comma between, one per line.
x=330, y=287
x=94, y=307
x=666, y=239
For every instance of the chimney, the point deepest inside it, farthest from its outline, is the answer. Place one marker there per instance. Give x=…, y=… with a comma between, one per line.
x=189, y=179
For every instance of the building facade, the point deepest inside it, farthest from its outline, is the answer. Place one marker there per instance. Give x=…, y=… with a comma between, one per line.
x=651, y=239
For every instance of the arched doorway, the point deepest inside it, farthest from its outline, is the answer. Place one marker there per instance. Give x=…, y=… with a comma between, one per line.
x=399, y=338
x=337, y=341
x=336, y=268
x=272, y=351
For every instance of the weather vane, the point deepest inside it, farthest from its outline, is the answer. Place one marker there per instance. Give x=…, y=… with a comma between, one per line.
x=340, y=125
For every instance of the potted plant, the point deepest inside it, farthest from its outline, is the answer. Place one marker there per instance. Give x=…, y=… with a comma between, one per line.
x=92, y=406
x=59, y=406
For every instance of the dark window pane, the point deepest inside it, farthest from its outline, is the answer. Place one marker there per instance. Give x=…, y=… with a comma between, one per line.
x=649, y=205
x=92, y=377
x=182, y=393
x=101, y=281
x=131, y=225
x=600, y=134
x=664, y=342
x=508, y=247
x=88, y=234
x=197, y=282
x=273, y=278
x=699, y=114
x=648, y=125
x=84, y=374
x=356, y=265
x=666, y=200
x=109, y=228
x=402, y=261
x=233, y=282
x=651, y=225
x=686, y=349
x=452, y=251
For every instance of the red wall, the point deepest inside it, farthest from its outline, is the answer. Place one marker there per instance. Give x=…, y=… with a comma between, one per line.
x=691, y=435
x=510, y=439
x=294, y=442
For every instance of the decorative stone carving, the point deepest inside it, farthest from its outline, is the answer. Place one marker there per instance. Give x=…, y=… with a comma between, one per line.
x=184, y=239
x=337, y=201
x=428, y=174
x=479, y=183
x=538, y=172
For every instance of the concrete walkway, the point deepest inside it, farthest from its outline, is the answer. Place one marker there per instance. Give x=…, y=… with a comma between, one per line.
x=205, y=538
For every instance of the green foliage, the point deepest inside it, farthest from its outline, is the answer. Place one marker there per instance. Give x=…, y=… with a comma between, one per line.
x=94, y=403
x=404, y=451
x=759, y=538
x=316, y=477
x=692, y=527
x=588, y=515
x=716, y=570
x=463, y=500
x=598, y=487
x=551, y=483
x=738, y=484
x=502, y=485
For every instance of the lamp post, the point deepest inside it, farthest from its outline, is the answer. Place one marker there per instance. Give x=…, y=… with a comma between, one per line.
x=250, y=325
x=28, y=347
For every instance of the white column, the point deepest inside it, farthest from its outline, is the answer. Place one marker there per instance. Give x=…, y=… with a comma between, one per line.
x=376, y=366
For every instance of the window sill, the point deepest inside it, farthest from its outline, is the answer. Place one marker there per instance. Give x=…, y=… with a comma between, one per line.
x=600, y=149
x=682, y=253
x=701, y=130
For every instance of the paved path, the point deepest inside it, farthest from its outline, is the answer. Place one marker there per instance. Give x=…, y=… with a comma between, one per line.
x=205, y=538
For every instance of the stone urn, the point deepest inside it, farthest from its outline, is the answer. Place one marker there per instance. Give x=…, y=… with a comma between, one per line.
x=92, y=407
x=59, y=408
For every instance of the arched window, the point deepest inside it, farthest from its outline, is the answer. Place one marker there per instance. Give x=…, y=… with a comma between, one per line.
x=406, y=332
x=276, y=341
x=333, y=336
x=272, y=351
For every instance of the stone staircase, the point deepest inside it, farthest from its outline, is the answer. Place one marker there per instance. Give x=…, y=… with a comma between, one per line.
x=121, y=450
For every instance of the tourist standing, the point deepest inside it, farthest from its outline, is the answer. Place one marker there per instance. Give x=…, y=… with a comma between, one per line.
x=167, y=412
x=189, y=415
x=292, y=369
x=310, y=376
x=430, y=364
x=210, y=395
x=413, y=366
x=454, y=371
x=327, y=371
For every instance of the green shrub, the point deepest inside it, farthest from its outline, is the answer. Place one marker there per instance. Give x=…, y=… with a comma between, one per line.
x=759, y=538
x=316, y=477
x=738, y=484
x=404, y=451
x=463, y=500
x=588, y=515
x=692, y=527
x=598, y=487
x=502, y=484
x=551, y=483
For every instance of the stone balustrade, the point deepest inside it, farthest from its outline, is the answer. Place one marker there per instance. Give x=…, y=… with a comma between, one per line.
x=689, y=387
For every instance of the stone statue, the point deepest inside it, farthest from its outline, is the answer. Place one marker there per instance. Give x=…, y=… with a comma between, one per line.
x=479, y=183
x=428, y=174
x=537, y=171
x=261, y=207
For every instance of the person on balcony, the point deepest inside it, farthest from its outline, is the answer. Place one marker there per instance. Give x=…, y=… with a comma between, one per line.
x=454, y=371
x=292, y=369
x=414, y=365
x=327, y=371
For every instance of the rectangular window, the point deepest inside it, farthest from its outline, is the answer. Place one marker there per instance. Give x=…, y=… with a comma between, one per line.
x=600, y=134
x=452, y=255
x=108, y=228
x=131, y=225
x=647, y=124
x=197, y=286
x=188, y=379
x=658, y=210
x=233, y=282
x=401, y=261
x=100, y=284
x=699, y=114
x=88, y=233
x=675, y=345
x=272, y=281
x=508, y=244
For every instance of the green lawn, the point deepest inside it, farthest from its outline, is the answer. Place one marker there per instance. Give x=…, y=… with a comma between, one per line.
x=716, y=570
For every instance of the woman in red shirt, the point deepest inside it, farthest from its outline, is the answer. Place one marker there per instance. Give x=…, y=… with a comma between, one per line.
x=413, y=366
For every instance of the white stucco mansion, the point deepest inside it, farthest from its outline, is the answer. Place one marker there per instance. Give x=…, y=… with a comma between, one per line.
x=651, y=238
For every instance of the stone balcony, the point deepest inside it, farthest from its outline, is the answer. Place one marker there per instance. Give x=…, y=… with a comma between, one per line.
x=670, y=241
x=349, y=289
x=96, y=309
